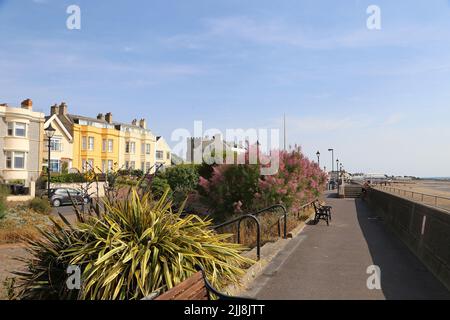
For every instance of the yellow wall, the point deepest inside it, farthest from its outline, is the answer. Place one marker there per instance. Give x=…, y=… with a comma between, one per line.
x=97, y=153
x=139, y=137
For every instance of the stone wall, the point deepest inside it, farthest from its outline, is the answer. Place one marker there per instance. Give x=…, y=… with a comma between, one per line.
x=425, y=230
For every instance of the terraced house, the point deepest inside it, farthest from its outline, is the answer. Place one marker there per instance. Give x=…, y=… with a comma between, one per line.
x=61, y=145
x=21, y=143
x=85, y=143
x=163, y=153
x=137, y=146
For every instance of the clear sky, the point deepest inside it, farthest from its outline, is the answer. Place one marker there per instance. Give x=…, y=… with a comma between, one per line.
x=380, y=98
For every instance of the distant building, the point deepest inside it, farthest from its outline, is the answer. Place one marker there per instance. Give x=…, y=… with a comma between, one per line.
x=208, y=146
x=21, y=141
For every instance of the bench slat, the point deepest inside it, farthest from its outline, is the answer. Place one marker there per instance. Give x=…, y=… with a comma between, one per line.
x=196, y=290
x=173, y=293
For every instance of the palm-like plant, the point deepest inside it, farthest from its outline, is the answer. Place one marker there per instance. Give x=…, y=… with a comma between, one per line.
x=137, y=247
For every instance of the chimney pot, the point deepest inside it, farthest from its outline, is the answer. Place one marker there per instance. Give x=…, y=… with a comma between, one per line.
x=143, y=124
x=100, y=116
x=54, y=109
x=108, y=118
x=63, y=109
x=27, y=104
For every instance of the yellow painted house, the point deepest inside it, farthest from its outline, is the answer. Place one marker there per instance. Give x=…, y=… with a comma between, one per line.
x=101, y=144
x=96, y=143
x=137, y=146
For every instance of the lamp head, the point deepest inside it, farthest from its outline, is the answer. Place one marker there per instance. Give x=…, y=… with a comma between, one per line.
x=50, y=131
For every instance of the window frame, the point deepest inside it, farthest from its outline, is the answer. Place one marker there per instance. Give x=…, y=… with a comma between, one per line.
x=11, y=158
x=11, y=130
x=91, y=146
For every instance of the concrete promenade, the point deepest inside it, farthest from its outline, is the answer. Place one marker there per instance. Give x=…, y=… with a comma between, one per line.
x=331, y=262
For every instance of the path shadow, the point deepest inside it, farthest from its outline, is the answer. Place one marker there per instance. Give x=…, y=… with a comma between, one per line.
x=403, y=275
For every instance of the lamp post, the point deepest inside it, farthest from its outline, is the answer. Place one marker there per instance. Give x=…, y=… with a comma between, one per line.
x=318, y=158
x=332, y=164
x=49, y=132
x=337, y=173
x=332, y=159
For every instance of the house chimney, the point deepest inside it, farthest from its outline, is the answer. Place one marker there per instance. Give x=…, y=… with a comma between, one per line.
x=27, y=104
x=134, y=122
x=54, y=109
x=100, y=116
x=63, y=109
x=143, y=123
x=108, y=118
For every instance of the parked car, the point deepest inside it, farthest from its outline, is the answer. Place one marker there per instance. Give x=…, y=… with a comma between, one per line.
x=62, y=196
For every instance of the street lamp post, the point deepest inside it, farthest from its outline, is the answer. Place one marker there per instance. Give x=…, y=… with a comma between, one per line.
x=337, y=173
x=332, y=164
x=49, y=132
x=318, y=158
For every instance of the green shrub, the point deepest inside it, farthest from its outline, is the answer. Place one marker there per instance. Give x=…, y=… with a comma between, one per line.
x=181, y=179
x=62, y=178
x=17, y=181
x=137, y=173
x=65, y=167
x=138, y=246
x=158, y=186
x=40, y=205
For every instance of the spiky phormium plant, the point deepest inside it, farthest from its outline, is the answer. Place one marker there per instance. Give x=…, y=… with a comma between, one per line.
x=136, y=247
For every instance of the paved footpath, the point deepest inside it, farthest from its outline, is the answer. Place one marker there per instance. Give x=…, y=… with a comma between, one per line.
x=331, y=262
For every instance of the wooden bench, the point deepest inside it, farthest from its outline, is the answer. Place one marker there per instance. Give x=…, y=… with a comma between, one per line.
x=322, y=212
x=196, y=287
x=325, y=208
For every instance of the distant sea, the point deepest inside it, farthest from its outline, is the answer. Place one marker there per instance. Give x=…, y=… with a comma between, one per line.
x=436, y=178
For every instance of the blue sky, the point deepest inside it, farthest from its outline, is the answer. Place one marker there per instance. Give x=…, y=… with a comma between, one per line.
x=379, y=97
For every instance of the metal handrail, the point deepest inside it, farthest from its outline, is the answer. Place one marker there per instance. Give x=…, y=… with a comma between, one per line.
x=284, y=217
x=394, y=190
x=254, y=217
x=238, y=220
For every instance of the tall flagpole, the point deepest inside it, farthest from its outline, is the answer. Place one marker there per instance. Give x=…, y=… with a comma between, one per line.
x=284, y=131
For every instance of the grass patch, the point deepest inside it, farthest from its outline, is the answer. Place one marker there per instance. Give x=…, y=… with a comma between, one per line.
x=20, y=221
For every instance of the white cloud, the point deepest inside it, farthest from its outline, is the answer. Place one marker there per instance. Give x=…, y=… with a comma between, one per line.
x=279, y=32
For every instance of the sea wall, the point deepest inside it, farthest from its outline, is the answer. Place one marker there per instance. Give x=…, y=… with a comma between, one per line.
x=425, y=230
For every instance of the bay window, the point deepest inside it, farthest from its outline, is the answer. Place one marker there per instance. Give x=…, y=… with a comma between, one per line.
x=15, y=160
x=17, y=129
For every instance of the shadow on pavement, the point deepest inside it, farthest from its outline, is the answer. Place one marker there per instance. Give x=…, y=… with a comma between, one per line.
x=403, y=275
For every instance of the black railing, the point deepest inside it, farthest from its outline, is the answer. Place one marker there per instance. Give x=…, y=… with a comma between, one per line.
x=238, y=220
x=254, y=217
x=284, y=217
